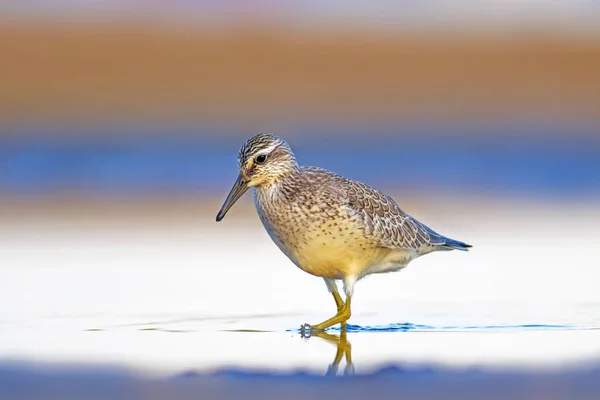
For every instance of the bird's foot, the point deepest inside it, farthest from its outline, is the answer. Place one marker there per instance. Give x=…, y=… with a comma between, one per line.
x=340, y=318
x=306, y=331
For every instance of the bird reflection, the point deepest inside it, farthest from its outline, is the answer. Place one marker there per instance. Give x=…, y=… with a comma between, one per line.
x=344, y=349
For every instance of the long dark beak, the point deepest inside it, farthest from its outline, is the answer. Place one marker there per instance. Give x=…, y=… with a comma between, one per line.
x=239, y=188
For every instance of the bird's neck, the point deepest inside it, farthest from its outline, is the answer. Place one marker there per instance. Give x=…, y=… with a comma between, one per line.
x=278, y=191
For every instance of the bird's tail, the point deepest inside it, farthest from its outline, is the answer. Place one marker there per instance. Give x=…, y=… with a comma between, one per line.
x=445, y=243
x=451, y=244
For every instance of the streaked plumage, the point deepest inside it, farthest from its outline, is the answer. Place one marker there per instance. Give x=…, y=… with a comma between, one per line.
x=328, y=225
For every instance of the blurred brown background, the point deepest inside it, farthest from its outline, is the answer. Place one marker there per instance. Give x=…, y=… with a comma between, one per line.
x=138, y=72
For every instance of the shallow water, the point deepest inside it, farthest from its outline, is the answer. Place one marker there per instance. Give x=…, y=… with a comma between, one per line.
x=169, y=298
x=192, y=306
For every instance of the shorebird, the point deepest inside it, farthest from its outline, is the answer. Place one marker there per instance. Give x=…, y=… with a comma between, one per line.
x=329, y=226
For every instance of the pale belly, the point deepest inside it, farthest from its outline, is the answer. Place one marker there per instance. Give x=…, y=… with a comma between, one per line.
x=336, y=257
x=331, y=248
x=319, y=253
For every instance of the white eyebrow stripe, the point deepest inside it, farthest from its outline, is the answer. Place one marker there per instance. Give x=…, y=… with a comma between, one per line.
x=268, y=149
x=261, y=152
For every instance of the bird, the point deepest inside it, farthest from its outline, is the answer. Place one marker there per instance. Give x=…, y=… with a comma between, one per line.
x=329, y=226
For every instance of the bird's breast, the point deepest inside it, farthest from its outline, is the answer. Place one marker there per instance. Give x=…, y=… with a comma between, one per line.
x=326, y=244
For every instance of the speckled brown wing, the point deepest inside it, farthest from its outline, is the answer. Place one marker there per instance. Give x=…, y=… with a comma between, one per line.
x=384, y=221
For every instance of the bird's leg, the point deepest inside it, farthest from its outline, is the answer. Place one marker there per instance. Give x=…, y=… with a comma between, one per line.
x=332, y=287
x=341, y=317
x=343, y=313
x=339, y=303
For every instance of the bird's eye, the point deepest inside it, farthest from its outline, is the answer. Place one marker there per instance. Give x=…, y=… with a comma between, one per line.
x=261, y=158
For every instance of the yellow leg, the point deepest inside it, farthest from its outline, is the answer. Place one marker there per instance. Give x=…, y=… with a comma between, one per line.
x=332, y=287
x=341, y=317
x=339, y=303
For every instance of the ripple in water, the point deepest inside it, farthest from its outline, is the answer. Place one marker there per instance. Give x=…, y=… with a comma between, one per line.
x=410, y=327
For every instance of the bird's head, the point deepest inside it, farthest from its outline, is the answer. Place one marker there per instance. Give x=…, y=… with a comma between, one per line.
x=263, y=160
